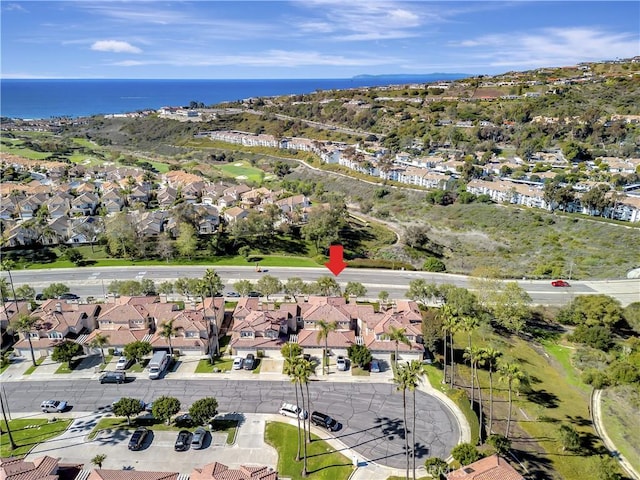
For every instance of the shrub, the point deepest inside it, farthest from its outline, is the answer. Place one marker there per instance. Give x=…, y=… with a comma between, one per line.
x=465, y=453
x=596, y=378
x=433, y=264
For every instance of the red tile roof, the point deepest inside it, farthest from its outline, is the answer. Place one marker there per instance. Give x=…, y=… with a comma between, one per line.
x=219, y=471
x=42, y=468
x=490, y=468
x=104, y=474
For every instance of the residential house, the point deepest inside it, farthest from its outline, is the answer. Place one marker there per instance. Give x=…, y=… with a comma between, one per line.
x=234, y=214
x=123, y=474
x=167, y=196
x=488, y=468
x=138, y=195
x=207, y=219
x=41, y=468
x=58, y=320
x=10, y=312
x=219, y=471
x=112, y=201
x=191, y=333
x=84, y=204
x=265, y=329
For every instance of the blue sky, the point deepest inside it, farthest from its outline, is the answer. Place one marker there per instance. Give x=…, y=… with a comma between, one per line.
x=307, y=39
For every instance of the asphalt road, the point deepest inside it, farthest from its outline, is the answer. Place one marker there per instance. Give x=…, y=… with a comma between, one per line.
x=88, y=281
x=371, y=414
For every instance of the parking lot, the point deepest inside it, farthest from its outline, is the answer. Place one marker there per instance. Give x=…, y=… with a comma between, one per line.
x=158, y=452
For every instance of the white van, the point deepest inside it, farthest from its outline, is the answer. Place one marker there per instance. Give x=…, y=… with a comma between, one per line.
x=159, y=362
x=291, y=410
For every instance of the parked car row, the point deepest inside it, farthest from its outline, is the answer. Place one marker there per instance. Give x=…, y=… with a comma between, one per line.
x=185, y=440
x=248, y=363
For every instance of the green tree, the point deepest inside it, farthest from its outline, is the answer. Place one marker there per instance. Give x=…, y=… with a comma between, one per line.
x=127, y=407
x=465, y=453
x=513, y=376
x=401, y=380
x=65, y=351
x=294, y=287
x=383, y=296
x=608, y=469
x=98, y=460
x=74, y=255
x=323, y=334
x=268, y=285
x=489, y=358
x=501, y=443
x=355, y=289
x=414, y=373
x=592, y=310
x=26, y=292
x=422, y=292
x=323, y=226
x=121, y=235
x=187, y=241
x=433, y=264
x=136, y=350
x=631, y=314
x=165, y=407
x=359, y=354
x=243, y=287
x=510, y=306
x=436, y=467
x=165, y=288
x=203, y=410
x=213, y=282
x=327, y=286
x=24, y=324
x=294, y=376
x=54, y=290
x=475, y=355
x=569, y=437
x=397, y=335
x=168, y=331
x=100, y=341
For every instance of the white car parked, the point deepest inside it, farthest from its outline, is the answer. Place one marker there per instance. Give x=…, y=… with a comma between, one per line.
x=53, y=406
x=238, y=362
x=291, y=410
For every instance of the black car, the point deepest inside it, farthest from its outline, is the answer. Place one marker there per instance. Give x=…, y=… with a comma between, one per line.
x=113, y=377
x=183, y=441
x=138, y=438
x=249, y=362
x=69, y=296
x=325, y=421
x=254, y=294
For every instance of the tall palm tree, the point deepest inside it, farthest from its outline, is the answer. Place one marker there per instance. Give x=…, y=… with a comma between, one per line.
x=397, y=335
x=24, y=325
x=323, y=334
x=475, y=355
x=9, y=265
x=401, y=381
x=489, y=359
x=294, y=377
x=100, y=341
x=307, y=370
x=414, y=372
x=450, y=323
x=513, y=376
x=167, y=331
x=303, y=373
x=213, y=281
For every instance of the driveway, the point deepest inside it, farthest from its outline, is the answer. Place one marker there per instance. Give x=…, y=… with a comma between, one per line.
x=158, y=453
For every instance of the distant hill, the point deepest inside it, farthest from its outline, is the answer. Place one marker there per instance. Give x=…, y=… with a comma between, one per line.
x=419, y=77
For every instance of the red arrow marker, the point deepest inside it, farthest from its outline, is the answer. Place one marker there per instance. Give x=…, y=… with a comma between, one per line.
x=336, y=263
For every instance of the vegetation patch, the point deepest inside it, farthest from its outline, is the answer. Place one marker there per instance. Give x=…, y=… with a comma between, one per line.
x=27, y=433
x=620, y=407
x=32, y=368
x=323, y=462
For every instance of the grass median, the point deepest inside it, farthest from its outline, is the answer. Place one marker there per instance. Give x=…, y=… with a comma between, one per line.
x=29, y=432
x=323, y=462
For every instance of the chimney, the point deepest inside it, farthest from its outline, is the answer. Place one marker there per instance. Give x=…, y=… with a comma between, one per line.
x=59, y=307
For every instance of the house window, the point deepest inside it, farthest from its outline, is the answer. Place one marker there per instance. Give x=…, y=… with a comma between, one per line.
x=271, y=334
x=246, y=334
x=33, y=335
x=56, y=335
x=190, y=334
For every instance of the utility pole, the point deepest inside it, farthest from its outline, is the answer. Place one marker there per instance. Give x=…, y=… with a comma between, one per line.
x=4, y=416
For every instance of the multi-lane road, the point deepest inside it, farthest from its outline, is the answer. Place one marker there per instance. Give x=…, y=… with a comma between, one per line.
x=88, y=281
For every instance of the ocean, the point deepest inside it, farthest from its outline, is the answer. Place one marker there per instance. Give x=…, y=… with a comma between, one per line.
x=31, y=99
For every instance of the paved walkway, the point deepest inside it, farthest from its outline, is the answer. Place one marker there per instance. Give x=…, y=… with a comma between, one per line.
x=366, y=469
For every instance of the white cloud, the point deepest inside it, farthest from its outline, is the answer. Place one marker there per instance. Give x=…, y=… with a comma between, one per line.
x=114, y=46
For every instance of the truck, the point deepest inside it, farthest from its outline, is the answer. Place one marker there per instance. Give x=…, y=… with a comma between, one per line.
x=158, y=364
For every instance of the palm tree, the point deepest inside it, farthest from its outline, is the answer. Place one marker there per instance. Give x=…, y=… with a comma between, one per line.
x=303, y=373
x=475, y=355
x=450, y=323
x=513, y=376
x=397, y=335
x=167, y=331
x=213, y=281
x=490, y=358
x=323, y=334
x=24, y=325
x=9, y=265
x=414, y=372
x=295, y=375
x=307, y=370
x=98, y=459
x=100, y=341
x=401, y=380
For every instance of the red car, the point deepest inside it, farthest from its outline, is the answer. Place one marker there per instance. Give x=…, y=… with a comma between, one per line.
x=560, y=283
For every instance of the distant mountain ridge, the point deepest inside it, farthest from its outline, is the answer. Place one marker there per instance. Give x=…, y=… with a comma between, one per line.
x=426, y=77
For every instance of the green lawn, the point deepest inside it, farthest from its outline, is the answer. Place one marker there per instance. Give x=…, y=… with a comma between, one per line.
x=323, y=462
x=64, y=368
x=31, y=369
x=222, y=364
x=252, y=174
x=563, y=354
x=359, y=372
x=138, y=367
x=27, y=433
x=620, y=414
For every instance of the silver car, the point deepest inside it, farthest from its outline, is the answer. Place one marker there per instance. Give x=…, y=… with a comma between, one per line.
x=53, y=406
x=198, y=439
